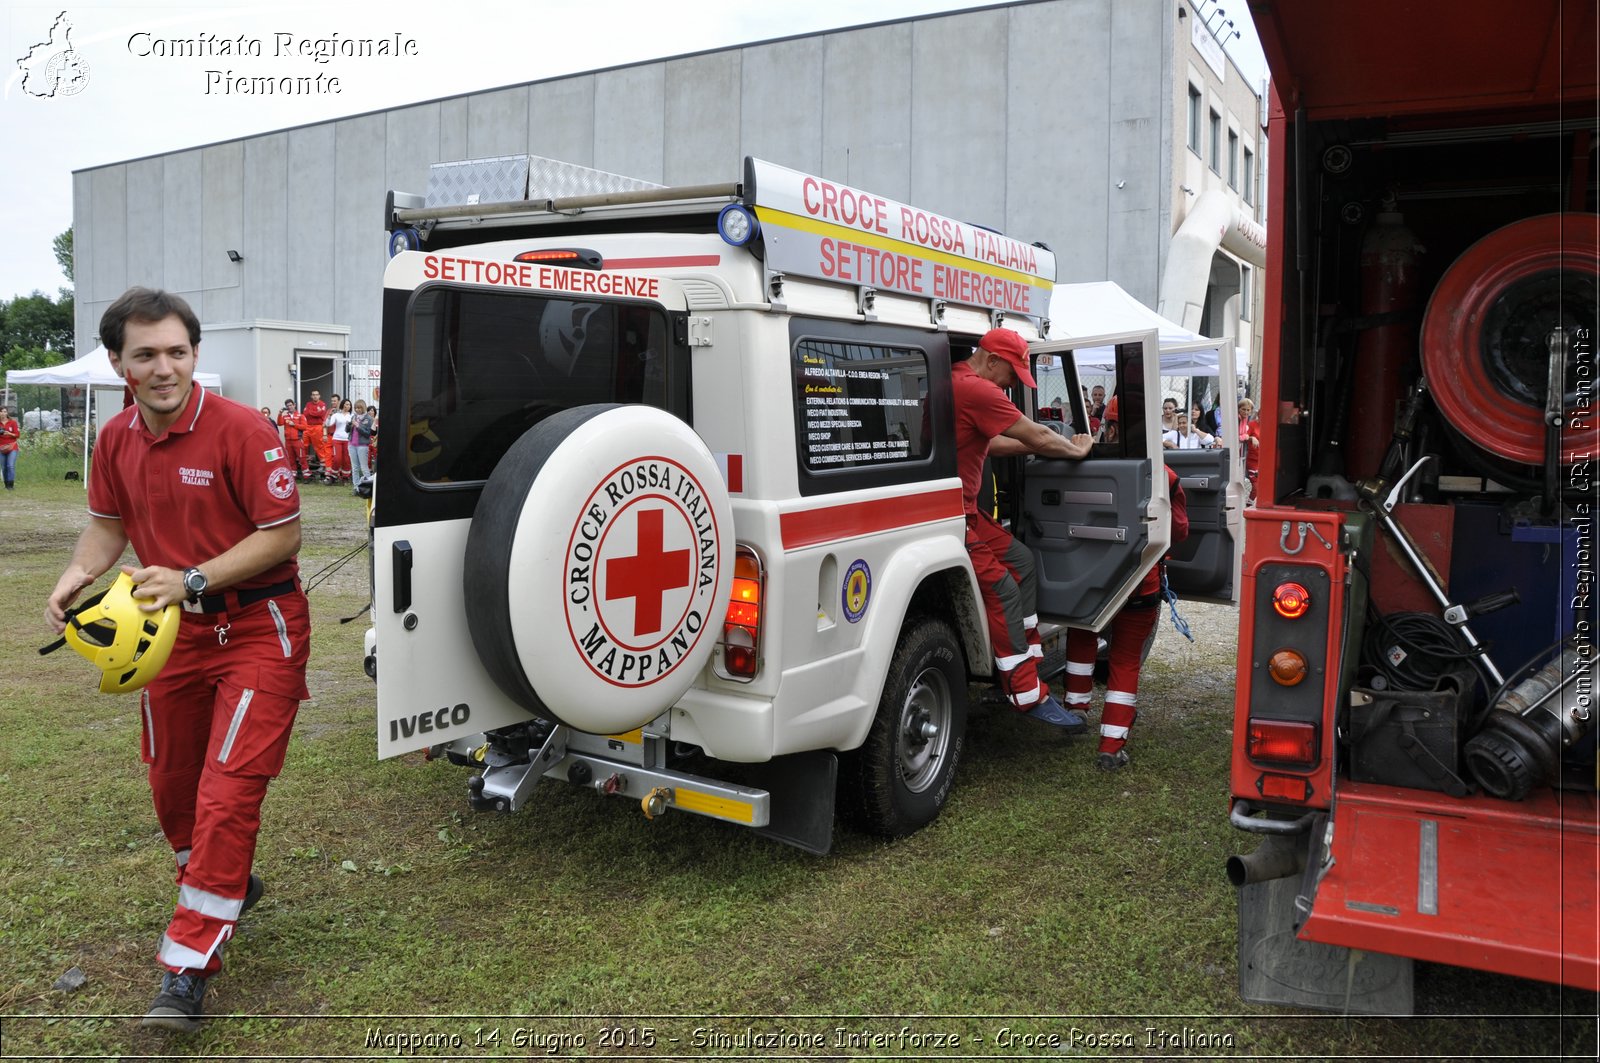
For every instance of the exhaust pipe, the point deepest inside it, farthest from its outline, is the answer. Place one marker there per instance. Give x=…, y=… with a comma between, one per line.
x=1278, y=856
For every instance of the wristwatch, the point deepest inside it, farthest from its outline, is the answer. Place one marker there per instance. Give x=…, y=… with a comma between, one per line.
x=195, y=582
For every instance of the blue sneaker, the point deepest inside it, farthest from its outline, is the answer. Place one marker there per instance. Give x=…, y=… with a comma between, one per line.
x=1053, y=712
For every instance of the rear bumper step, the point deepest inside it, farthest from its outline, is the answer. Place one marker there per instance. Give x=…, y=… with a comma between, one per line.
x=1474, y=882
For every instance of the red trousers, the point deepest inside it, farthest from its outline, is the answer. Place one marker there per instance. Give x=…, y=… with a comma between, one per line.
x=317, y=440
x=341, y=459
x=1127, y=634
x=1005, y=572
x=216, y=725
x=297, y=453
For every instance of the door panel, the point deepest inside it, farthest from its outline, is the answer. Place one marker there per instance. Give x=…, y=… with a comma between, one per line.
x=1202, y=565
x=1086, y=524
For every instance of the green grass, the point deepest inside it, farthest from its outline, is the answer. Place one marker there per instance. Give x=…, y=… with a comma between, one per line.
x=1048, y=898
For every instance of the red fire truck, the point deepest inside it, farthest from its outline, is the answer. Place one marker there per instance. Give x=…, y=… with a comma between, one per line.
x=1414, y=748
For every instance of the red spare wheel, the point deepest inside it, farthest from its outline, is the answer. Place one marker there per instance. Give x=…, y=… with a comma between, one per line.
x=1485, y=336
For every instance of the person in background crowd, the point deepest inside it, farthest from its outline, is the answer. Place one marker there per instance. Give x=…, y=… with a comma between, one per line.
x=1250, y=441
x=340, y=420
x=293, y=423
x=988, y=423
x=1186, y=437
x=10, y=435
x=1169, y=414
x=316, y=415
x=266, y=411
x=360, y=441
x=201, y=489
x=1097, y=404
x=1127, y=634
x=1206, y=421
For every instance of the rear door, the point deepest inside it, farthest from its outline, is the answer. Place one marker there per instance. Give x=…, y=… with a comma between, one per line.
x=1096, y=526
x=468, y=368
x=1205, y=566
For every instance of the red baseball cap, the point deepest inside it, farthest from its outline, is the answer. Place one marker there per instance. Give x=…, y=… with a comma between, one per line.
x=1006, y=344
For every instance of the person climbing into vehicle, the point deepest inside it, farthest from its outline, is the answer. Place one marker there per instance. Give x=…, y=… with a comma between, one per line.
x=989, y=423
x=1128, y=634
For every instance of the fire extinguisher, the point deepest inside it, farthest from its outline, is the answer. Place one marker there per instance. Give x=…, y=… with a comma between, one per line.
x=1384, y=351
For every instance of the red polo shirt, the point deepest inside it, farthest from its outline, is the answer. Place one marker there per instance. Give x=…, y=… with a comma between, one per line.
x=982, y=412
x=216, y=475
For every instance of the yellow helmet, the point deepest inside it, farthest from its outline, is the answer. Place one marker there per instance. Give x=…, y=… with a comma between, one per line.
x=127, y=644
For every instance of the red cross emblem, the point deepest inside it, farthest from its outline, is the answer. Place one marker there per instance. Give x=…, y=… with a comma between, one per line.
x=649, y=574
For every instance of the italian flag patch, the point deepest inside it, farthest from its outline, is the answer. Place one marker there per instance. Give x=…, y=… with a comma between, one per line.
x=275, y=454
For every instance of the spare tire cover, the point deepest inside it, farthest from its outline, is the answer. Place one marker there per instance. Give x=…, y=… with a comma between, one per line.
x=598, y=566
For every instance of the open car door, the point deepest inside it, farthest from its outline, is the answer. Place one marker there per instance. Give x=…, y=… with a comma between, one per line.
x=1096, y=526
x=1205, y=566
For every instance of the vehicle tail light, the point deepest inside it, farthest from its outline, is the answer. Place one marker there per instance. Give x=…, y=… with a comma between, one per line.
x=1291, y=601
x=741, y=630
x=1283, y=742
x=574, y=257
x=1284, y=787
x=1287, y=667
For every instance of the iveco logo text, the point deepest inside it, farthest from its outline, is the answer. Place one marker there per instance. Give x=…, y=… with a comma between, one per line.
x=423, y=722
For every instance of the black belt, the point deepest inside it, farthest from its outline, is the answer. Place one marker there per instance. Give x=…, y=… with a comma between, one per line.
x=233, y=601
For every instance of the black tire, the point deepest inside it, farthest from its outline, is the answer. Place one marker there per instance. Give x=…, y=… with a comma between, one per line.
x=900, y=778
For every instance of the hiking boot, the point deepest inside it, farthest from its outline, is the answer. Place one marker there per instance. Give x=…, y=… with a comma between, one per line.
x=1112, y=761
x=178, y=1006
x=1056, y=714
x=252, y=893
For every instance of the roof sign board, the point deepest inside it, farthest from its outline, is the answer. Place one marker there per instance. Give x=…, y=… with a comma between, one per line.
x=812, y=227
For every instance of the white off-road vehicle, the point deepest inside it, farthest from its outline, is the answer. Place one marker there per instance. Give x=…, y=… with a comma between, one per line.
x=667, y=501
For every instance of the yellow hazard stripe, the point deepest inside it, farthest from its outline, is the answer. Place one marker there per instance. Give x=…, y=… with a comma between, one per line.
x=712, y=805
x=633, y=737
x=783, y=219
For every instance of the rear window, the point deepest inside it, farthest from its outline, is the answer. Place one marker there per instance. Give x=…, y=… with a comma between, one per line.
x=487, y=366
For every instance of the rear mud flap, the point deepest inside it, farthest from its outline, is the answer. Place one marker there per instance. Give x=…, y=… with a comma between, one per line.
x=803, y=788
x=1276, y=967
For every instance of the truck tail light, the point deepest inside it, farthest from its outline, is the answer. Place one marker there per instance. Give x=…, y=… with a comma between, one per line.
x=741, y=630
x=1286, y=742
x=1287, y=667
x=1291, y=601
x=1284, y=787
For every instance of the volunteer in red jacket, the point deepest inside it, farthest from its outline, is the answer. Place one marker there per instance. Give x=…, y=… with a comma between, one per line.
x=200, y=486
x=1250, y=441
x=10, y=433
x=316, y=415
x=1127, y=634
x=988, y=423
x=293, y=423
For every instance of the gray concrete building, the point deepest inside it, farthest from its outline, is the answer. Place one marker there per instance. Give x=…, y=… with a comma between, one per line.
x=1064, y=121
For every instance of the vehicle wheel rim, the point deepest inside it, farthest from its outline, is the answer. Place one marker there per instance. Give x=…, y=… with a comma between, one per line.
x=924, y=731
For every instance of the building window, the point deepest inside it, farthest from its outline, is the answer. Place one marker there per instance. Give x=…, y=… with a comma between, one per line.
x=1246, y=310
x=1194, y=119
x=1249, y=189
x=1233, y=159
x=1216, y=142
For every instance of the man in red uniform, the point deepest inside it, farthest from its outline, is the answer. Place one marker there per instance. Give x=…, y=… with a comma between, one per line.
x=316, y=414
x=200, y=487
x=293, y=423
x=988, y=423
x=1129, y=632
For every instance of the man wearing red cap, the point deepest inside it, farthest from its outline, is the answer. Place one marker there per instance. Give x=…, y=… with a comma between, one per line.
x=987, y=422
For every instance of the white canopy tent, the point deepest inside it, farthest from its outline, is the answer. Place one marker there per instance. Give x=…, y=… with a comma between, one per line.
x=92, y=371
x=1098, y=308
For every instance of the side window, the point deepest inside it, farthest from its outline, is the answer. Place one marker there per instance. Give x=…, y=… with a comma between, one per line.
x=872, y=406
x=1120, y=371
x=484, y=367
